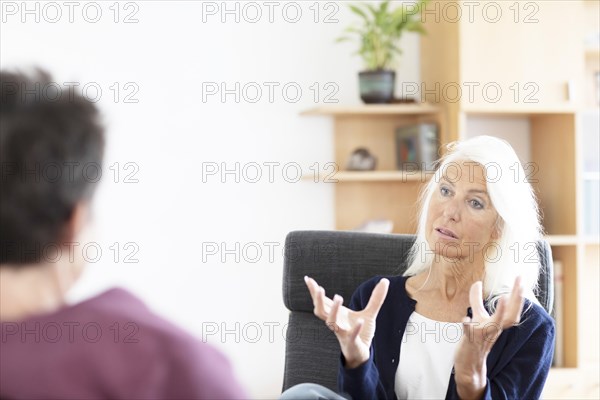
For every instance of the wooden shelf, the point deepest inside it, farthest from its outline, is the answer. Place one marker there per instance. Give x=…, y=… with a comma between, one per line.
x=373, y=176
x=374, y=109
x=590, y=240
x=519, y=112
x=570, y=240
x=591, y=110
x=561, y=240
x=386, y=193
x=592, y=51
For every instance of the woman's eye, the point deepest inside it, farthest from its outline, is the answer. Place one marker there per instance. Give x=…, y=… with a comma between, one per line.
x=476, y=204
x=444, y=191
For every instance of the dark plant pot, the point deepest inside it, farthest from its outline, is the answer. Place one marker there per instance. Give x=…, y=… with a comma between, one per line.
x=377, y=86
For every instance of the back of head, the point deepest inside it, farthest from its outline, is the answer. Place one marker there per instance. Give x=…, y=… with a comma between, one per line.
x=51, y=149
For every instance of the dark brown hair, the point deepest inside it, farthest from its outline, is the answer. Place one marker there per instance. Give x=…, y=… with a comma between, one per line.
x=51, y=150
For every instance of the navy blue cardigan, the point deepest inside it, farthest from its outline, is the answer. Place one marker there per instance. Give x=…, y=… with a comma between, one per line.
x=517, y=366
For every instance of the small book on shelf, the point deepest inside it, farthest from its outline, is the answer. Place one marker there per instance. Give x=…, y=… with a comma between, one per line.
x=417, y=147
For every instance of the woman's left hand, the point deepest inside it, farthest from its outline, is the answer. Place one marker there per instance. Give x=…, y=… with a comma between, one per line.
x=479, y=335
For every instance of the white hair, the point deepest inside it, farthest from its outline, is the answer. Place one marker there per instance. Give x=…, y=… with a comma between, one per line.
x=515, y=252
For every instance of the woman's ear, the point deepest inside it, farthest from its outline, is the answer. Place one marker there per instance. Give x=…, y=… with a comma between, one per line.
x=496, y=233
x=497, y=230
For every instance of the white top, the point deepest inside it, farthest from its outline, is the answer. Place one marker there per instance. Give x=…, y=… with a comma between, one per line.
x=426, y=358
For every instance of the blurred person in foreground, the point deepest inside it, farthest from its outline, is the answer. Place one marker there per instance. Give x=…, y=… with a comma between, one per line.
x=112, y=345
x=463, y=321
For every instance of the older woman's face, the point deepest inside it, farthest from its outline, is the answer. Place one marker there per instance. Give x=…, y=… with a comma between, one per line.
x=461, y=219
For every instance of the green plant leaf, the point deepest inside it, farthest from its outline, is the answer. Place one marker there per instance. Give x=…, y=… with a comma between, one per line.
x=382, y=14
x=358, y=11
x=415, y=26
x=384, y=6
x=353, y=29
x=380, y=29
x=373, y=10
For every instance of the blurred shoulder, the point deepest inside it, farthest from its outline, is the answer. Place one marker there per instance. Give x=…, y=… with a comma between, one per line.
x=120, y=305
x=171, y=360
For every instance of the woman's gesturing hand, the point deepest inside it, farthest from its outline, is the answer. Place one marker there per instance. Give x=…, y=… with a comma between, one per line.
x=353, y=329
x=481, y=332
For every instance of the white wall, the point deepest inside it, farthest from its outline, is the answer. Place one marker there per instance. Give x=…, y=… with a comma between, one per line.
x=170, y=132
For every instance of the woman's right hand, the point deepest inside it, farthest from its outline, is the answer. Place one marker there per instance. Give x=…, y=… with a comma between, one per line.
x=353, y=329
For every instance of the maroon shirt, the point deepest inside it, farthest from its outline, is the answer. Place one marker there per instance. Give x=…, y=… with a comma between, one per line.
x=111, y=346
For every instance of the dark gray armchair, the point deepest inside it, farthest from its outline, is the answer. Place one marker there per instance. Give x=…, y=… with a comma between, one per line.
x=340, y=261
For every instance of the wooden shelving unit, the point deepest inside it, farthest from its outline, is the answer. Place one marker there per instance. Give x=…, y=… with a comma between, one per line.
x=385, y=193
x=551, y=134
x=562, y=240
x=374, y=109
x=374, y=176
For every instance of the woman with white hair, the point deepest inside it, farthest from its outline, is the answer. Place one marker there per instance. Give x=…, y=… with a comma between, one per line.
x=463, y=320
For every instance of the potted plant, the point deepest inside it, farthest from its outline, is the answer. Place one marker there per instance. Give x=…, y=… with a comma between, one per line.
x=378, y=35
